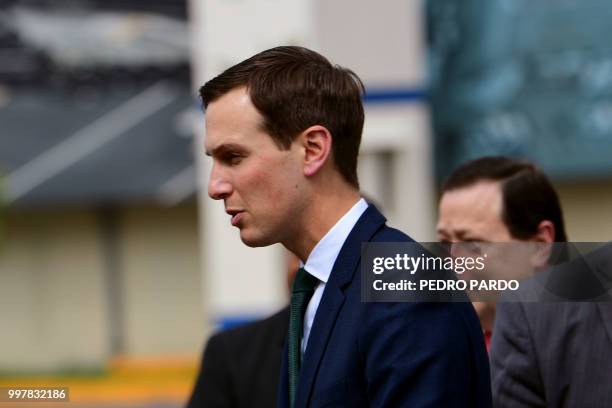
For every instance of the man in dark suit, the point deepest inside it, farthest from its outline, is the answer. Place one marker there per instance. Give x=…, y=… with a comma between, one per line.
x=241, y=366
x=543, y=354
x=283, y=129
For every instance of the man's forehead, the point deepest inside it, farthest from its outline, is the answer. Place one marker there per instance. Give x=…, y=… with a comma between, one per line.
x=229, y=119
x=471, y=207
x=478, y=196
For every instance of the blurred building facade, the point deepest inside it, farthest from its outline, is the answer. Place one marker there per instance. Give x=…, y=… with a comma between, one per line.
x=99, y=252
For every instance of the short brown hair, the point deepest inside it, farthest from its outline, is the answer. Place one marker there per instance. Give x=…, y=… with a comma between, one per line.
x=528, y=196
x=294, y=88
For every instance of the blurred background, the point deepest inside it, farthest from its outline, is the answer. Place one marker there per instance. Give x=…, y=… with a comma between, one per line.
x=115, y=267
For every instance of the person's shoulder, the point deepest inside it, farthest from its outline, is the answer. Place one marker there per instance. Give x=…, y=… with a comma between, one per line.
x=280, y=318
x=278, y=322
x=543, y=315
x=389, y=234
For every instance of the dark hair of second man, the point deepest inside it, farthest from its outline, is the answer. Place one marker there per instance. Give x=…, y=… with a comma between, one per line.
x=527, y=194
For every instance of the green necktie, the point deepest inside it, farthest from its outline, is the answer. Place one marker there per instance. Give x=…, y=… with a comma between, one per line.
x=303, y=288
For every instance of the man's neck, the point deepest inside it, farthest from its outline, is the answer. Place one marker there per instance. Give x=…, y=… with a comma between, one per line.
x=323, y=213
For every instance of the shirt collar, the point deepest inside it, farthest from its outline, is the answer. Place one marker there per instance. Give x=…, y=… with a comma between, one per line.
x=322, y=258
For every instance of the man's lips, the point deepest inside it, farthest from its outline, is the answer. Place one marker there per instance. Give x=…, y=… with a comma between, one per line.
x=236, y=216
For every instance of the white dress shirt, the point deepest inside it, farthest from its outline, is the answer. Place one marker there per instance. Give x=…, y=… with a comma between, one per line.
x=322, y=258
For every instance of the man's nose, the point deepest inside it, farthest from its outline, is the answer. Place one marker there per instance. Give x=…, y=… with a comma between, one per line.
x=218, y=185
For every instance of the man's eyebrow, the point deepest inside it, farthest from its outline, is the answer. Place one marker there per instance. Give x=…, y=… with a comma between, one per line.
x=464, y=235
x=219, y=150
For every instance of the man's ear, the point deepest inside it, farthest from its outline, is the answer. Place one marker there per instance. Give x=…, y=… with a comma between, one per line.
x=546, y=232
x=317, y=144
x=544, y=239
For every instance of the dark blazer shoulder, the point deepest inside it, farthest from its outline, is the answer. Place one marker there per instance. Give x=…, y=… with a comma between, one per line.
x=390, y=234
x=270, y=329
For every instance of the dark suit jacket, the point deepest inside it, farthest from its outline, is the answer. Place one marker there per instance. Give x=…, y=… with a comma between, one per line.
x=388, y=354
x=552, y=353
x=241, y=366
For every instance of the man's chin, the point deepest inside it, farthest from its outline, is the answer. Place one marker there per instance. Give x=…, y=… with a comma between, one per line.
x=253, y=241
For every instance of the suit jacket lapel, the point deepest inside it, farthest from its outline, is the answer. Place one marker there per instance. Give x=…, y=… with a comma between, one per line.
x=323, y=325
x=333, y=298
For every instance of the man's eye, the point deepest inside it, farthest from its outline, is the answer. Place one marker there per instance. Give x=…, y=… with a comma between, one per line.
x=233, y=159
